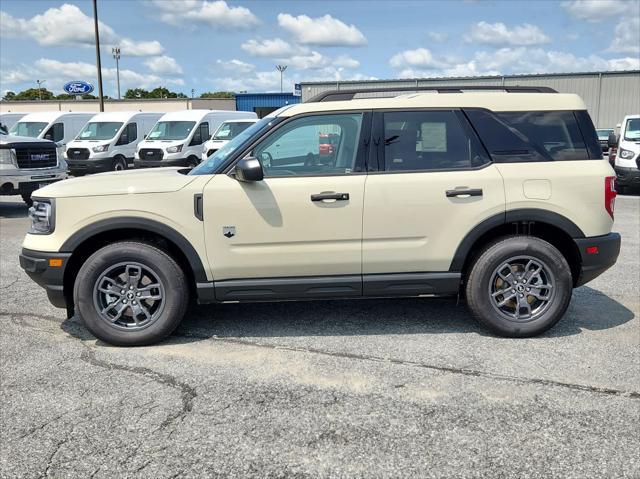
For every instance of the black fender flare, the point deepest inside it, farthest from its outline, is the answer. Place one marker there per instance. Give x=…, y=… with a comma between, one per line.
x=511, y=216
x=144, y=224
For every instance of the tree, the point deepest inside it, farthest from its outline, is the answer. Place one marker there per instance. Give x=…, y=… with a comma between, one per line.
x=159, y=92
x=66, y=96
x=134, y=93
x=9, y=95
x=218, y=94
x=34, y=94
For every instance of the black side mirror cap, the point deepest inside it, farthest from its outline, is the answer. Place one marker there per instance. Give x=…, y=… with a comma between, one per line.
x=249, y=169
x=612, y=142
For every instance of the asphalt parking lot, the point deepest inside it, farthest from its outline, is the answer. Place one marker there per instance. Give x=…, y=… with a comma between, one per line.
x=372, y=388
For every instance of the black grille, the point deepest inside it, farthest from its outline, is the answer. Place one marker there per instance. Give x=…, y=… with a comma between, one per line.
x=153, y=154
x=35, y=157
x=78, y=153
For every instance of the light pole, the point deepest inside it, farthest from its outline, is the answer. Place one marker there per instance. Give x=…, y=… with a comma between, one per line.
x=40, y=82
x=115, y=51
x=281, y=69
x=98, y=63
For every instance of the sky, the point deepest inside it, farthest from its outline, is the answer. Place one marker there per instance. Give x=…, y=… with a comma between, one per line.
x=213, y=45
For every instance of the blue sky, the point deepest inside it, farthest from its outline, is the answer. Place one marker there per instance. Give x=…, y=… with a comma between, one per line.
x=211, y=45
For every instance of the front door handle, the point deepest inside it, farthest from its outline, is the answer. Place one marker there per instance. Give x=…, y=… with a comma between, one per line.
x=330, y=196
x=464, y=192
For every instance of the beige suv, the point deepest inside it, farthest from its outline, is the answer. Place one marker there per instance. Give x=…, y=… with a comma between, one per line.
x=498, y=196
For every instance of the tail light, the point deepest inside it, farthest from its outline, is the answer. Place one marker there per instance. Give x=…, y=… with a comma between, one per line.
x=610, y=194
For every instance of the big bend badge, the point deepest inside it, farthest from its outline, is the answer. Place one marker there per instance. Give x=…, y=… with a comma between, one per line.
x=229, y=231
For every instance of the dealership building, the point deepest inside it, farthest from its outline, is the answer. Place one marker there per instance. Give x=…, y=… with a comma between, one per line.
x=609, y=96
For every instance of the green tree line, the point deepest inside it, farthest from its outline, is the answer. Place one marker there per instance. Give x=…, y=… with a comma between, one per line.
x=132, y=93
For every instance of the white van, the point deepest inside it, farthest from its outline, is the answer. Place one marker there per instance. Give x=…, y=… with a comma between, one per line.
x=58, y=126
x=177, y=138
x=227, y=131
x=9, y=119
x=109, y=141
x=627, y=162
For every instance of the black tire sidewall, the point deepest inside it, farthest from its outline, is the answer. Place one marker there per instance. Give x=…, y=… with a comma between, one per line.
x=481, y=275
x=119, y=160
x=170, y=274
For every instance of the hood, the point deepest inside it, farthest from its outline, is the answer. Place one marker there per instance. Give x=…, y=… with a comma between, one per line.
x=131, y=182
x=10, y=141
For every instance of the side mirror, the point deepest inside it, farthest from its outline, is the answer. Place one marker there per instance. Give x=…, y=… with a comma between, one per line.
x=249, y=169
x=612, y=142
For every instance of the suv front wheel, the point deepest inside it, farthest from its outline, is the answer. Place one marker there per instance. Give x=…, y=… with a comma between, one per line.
x=519, y=286
x=131, y=294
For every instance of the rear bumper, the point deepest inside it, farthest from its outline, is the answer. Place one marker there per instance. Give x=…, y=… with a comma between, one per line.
x=594, y=264
x=36, y=265
x=627, y=176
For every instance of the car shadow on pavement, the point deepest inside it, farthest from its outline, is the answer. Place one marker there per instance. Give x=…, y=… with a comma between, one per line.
x=16, y=209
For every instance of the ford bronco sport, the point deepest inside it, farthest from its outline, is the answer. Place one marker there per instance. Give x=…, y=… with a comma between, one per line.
x=502, y=197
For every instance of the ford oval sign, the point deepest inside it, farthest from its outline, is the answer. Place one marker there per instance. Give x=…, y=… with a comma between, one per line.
x=78, y=87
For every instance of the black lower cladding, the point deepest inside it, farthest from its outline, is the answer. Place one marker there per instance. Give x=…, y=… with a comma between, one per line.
x=92, y=165
x=160, y=163
x=36, y=265
x=598, y=254
x=317, y=287
x=627, y=176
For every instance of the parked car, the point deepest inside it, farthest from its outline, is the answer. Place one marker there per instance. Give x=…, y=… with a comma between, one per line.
x=108, y=141
x=27, y=164
x=9, y=119
x=427, y=194
x=603, y=138
x=177, y=138
x=58, y=126
x=626, y=155
x=226, y=132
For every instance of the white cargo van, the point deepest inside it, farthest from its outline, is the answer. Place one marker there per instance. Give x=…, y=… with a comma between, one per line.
x=226, y=132
x=177, y=138
x=108, y=141
x=58, y=126
x=9, y=119
x=627, y=162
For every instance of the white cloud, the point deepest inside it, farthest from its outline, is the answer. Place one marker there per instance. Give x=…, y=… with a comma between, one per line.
x=236, y=66
x=498, y=34
x=421, y=58
x=164, y=65
x=626, y=37
x=322, y=31
x=598, y=10
x=438, y=37
x=68, y=25
x=345, y=61
x=270, y=48
x=217, y=14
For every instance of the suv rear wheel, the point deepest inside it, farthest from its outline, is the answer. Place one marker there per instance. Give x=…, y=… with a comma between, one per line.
x=519, y=286
x=131, y=294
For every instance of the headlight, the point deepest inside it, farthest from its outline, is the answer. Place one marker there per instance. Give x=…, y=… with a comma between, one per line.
x=100, y=148
x=175, y=149
x=7, y=156
x=42, y=216
x=626, y=154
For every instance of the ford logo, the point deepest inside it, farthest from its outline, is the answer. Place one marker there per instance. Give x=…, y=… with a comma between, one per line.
x=78, y=87
x=40, y=157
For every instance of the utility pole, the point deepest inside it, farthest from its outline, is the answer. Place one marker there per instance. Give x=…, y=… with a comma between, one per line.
x=40, y=82
x=192, y=93
x=281, y=69
x=98, y=64
x=115, y=51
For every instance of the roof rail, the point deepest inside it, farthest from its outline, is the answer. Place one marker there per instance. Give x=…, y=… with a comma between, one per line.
x=338, y=95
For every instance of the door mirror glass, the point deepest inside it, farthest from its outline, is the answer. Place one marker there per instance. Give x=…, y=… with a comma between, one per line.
x=613, y=140
x=249, y=169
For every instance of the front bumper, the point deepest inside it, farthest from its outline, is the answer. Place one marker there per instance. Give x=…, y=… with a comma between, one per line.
x=36, y=265
x=160, y=163
x=627, y=176
x=90, y=165
x=29, y=181
x=596, y=263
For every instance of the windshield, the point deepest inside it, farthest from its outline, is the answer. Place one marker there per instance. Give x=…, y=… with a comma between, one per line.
x=28, y=128
x=171, y=130
x=102, y=130
x=632, y=129
x=214, y=161
x=230, y=129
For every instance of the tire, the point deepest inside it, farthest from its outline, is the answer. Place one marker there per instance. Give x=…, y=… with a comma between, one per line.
x=119, y=164
x=514, y=318
x=98, y=286
x=26, y=197
x=192, y=162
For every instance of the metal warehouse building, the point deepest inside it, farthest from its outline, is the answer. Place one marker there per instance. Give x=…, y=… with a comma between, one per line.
x=609, y=95
x=264, y=103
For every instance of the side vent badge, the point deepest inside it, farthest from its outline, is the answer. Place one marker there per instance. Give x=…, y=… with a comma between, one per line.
x=229, y=231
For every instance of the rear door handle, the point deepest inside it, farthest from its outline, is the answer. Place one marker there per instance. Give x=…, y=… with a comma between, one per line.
x=330, y=196
x=465, y=192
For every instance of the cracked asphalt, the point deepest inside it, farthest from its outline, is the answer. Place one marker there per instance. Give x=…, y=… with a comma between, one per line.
x=370, y=388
